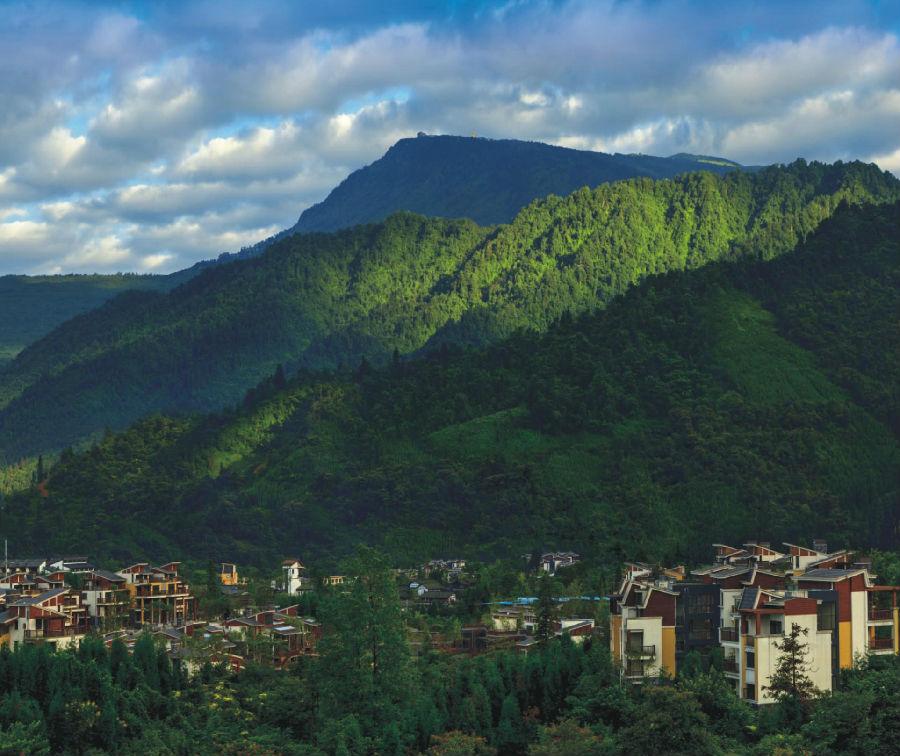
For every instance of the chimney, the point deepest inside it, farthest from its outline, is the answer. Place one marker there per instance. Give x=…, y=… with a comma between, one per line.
x=820, y=545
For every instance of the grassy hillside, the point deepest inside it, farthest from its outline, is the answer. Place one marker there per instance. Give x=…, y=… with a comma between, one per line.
x=485, y=180
x=410, y=283
x=701, y=405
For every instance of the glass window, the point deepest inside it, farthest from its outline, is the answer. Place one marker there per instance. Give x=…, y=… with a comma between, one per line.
x=751, y=659
x=826, y=616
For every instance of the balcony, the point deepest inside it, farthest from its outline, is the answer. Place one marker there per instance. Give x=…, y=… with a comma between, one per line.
x=881, y=615
x=730, y=665
x=40, y=633
x=729, y=635
x=881, y=644
x=641, y=651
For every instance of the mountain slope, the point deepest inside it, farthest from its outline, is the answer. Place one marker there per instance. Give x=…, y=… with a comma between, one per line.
x=737, y=401
x=485, y=180
x=318, y=300
x=32, y=306
x=489, y=181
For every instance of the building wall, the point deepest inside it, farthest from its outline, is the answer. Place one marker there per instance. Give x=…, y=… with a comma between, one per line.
x=818, y=656
x=653, y=631
x=668, y=650
x=897, y=630
x=859, y=614
x=615, y=637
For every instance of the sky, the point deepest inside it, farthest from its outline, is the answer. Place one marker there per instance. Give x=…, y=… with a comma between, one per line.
x=145, y=136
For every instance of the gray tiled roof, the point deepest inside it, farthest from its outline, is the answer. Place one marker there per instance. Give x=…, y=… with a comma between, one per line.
x=748, y=598
x=828, y=573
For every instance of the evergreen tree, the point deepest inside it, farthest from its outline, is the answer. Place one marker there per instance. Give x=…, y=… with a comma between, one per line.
x=546, y=609
x=791, y=681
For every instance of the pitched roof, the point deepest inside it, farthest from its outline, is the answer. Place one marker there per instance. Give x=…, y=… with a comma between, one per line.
x=109, y=575
x=727, y=572
x=748, y=599
x=829, y=574
x=39, y=599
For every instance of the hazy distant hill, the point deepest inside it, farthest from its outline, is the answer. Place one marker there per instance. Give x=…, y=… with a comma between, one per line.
x=703, y=405
x=319, y=300
x=486, y=180
x=32, y=306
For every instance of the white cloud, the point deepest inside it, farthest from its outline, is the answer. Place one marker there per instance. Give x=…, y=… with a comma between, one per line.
x=149, y=142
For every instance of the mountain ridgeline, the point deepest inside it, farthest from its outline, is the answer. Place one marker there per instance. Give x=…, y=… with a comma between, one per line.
x=719, y=403
x=451, y=177
x=410, y=283
x=486, y=180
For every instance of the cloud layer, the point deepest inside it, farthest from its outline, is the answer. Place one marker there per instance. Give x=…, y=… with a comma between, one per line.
x=148, y=137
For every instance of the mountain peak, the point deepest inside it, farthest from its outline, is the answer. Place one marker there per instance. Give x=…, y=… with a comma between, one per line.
x=487, y=180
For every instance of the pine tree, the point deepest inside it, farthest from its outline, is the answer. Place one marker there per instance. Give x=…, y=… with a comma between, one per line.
x=546, y=610
x=790, y=680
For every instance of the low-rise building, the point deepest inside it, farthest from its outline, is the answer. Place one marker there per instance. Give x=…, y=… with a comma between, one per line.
x=56, y=617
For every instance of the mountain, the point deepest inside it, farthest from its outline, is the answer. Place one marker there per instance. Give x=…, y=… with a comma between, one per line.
x=407, y=284
x=454, y=177
x=714, y=404
x=486, y=180
x=32, y=306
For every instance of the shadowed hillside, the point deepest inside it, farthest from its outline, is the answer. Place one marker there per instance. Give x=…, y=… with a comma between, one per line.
x=713, y=404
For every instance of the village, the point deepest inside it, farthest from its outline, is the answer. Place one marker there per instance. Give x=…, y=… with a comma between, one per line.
x=733, y=614
x=58, y=601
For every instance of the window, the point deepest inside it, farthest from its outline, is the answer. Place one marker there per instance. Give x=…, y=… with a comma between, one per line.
x=751, y=659
x=700, y=629
x=750, y=692
x=776, y=627
x=634, y=668
x=635, y=642
x=826, y=616
x=701, y=603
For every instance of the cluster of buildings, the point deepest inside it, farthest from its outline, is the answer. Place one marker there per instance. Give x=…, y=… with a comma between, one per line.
x=746, y=604
x=59, y=601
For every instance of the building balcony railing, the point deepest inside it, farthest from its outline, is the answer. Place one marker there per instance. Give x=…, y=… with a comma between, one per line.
x=640, y=650
x=730, y=665
x=881, y=644
x=42, y=633
x=729, y=635
x=878, y=615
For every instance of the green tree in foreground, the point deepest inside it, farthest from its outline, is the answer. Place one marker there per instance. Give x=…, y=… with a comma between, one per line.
x=791, y=685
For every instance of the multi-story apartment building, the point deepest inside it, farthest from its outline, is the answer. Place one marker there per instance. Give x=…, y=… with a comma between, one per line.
x=56, y=617
x=158, y=595
x=107, y=599
x=747, y=604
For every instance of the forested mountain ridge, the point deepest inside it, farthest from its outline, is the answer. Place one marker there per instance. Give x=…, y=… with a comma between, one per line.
x=319, y=300
x=32, y=306
x=485, y=180
x=721, y=403
x=481, y=179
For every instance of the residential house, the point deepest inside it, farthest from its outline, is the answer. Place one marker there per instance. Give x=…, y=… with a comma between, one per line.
x=107, y=599
x=158, y=594
x=56, y=617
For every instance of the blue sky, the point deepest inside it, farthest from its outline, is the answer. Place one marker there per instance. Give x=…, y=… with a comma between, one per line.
x=144, y=136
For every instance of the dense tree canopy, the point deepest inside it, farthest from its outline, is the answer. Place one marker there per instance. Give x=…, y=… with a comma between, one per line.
x=407, y=284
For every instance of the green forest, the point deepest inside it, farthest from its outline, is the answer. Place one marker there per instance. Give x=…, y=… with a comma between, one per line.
x=737, y=400
x=32, y=306
x=370, y=690
x=410, y=284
